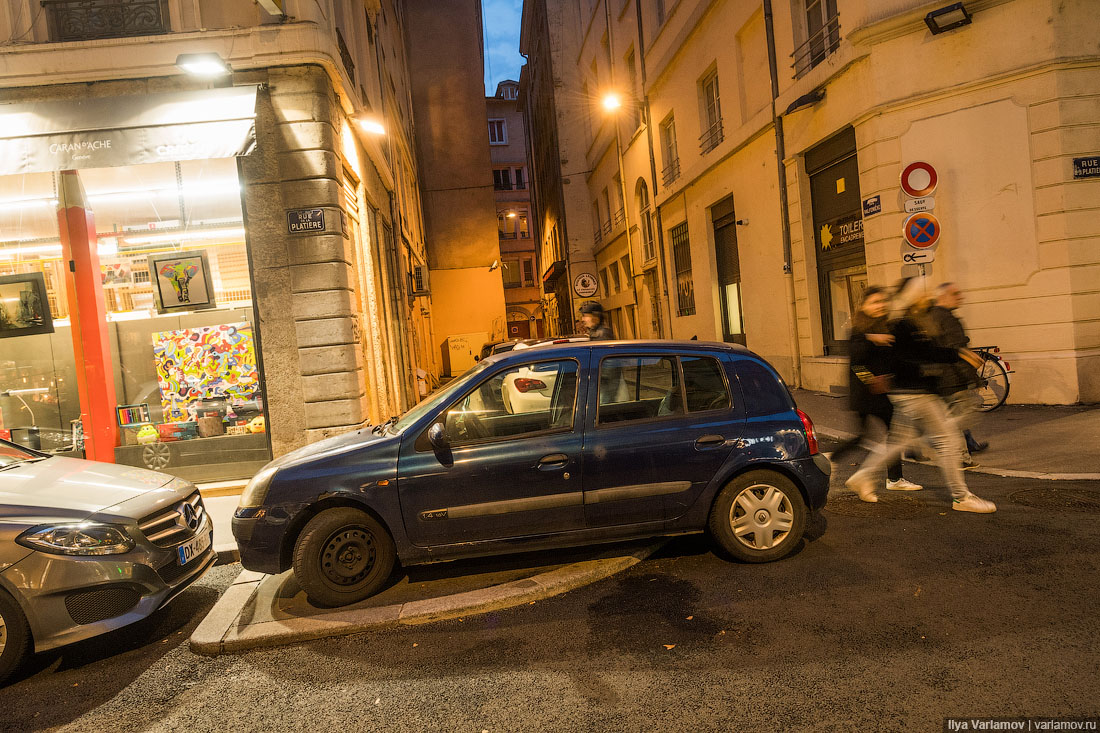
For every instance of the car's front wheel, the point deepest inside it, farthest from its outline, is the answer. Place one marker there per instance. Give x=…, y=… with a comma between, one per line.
x=760, y=516
x=15, y=636
x=343, y=556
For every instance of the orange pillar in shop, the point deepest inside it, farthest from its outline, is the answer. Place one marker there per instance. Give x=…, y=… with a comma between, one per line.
x=88, y=317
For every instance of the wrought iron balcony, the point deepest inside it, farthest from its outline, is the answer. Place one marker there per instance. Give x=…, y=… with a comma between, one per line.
x=597, y=236
x=86, y=20
x=671, y=171
x=709, y=140
x=620, y=216
x=607, y=227
x=817, y=47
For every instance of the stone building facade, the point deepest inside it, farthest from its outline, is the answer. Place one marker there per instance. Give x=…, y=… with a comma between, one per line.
x=315, y=263
x=512, y=191
x=774, y=249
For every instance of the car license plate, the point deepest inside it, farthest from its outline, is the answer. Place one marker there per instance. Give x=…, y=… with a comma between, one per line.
x=188, y=551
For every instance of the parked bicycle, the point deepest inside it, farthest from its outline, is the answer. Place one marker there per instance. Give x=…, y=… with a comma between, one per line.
x=993, y=383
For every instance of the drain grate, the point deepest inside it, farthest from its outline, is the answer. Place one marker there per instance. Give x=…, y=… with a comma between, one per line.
x=889, y=506
x=1073, y=500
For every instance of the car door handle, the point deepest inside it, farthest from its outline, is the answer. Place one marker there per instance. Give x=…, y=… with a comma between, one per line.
x=710, y=441
x=553, y=462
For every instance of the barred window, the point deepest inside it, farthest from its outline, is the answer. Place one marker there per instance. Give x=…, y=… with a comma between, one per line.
x=681, y=253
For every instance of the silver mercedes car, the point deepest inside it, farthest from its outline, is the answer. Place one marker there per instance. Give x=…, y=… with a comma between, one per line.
x=87, y=547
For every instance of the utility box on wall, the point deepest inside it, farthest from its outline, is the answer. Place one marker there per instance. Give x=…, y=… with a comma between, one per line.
x=459, y=350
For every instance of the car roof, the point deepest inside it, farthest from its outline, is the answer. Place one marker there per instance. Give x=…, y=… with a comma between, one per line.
x=624, y=345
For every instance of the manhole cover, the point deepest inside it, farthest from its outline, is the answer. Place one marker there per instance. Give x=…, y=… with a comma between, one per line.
x=1074, y=500
x=889, y=506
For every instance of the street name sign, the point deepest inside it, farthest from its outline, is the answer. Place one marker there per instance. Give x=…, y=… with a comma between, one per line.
x=872, y=206
x=921, y=230
x=1087, y=167
x=302, y=221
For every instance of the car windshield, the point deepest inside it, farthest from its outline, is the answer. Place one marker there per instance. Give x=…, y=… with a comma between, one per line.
x=437, y=399
x=11, y=454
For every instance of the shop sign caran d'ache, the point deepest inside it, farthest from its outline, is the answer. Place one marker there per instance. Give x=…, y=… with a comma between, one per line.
x=840, y=233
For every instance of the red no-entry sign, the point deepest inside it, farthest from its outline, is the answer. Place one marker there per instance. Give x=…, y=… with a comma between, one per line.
x=919, y=179
x=922, y=230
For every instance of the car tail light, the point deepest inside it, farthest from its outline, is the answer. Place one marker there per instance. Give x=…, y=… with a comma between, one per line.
x=811, y=436
x=523, y=384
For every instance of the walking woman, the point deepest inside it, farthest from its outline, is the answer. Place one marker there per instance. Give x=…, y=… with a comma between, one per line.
x=868, y=379
x=914, y=396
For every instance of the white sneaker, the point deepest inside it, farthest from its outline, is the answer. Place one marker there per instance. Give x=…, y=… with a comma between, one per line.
x=863, y=487
x=971, y=503
x=902, y=485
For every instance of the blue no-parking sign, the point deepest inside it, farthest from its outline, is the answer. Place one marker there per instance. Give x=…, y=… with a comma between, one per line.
x=922, y=230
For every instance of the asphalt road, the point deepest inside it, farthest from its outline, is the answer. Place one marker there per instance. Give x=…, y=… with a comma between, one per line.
x=892, y=617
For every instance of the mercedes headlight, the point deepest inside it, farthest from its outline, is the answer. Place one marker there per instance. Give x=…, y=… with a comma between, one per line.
x=256, y=490
x=83, y=538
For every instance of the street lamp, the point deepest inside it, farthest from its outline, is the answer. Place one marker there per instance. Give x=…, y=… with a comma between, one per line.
x=206, y=65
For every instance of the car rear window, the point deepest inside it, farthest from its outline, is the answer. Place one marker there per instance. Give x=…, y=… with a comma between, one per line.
x=764, y=391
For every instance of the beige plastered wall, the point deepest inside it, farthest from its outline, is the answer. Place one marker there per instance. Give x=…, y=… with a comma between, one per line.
x=1019, y=234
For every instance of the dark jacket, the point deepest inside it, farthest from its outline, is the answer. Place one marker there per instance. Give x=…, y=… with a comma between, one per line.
x=911, y=357
x=601, y=332
x=867, y=360
x=947, y=330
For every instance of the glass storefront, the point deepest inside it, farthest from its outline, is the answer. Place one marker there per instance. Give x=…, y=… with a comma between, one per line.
x=179, y=319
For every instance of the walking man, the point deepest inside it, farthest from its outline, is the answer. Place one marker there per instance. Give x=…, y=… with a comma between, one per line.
x=959, y=379
x=593, y=317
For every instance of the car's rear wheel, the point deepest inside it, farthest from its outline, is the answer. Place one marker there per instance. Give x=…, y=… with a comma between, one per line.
x=343, y=556
x=758, y=517
x=15, y=636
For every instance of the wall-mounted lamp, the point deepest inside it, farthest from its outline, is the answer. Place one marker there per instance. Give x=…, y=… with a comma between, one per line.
x=611, y=102
x=511, y=215
x=206, y=65
x=944, y=19
x=807, y=99
x=371, y=124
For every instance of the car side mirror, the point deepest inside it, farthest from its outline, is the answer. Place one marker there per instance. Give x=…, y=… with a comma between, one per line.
x=437, y=436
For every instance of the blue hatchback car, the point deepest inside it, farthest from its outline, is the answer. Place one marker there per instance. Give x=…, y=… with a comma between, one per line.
x=553, y=446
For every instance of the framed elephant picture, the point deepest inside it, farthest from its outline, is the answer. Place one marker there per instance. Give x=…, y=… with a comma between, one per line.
x=181, y=281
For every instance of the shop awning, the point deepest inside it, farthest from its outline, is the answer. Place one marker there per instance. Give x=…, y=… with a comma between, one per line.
x=553, y=272
x=102, y=132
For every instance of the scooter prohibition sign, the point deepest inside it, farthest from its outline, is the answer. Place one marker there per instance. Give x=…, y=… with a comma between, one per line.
x=921, y=230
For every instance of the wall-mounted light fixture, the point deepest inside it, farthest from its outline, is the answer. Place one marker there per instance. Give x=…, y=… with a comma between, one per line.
x=611, y=102
x=206, y=65
x=369, y=123
x=946, y=18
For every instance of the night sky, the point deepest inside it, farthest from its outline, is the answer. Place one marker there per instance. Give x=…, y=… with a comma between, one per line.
x=502, y=59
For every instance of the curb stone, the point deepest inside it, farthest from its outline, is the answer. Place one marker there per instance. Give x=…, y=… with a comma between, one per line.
x=220, y=633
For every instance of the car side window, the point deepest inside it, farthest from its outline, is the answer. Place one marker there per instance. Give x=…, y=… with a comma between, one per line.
x=529, y=398
x=704, y=384
x=638, y=388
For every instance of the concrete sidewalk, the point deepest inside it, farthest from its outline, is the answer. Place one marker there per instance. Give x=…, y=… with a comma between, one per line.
x=270, y=610
x=1026, y=441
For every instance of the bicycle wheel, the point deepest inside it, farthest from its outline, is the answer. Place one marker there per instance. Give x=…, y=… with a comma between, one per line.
x=992, y=383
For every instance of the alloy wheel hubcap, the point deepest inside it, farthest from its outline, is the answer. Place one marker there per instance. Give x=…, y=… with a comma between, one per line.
x=761, y=517
x=348, y=556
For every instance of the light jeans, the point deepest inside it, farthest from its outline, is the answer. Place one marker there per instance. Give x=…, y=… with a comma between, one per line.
x=924, y=416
